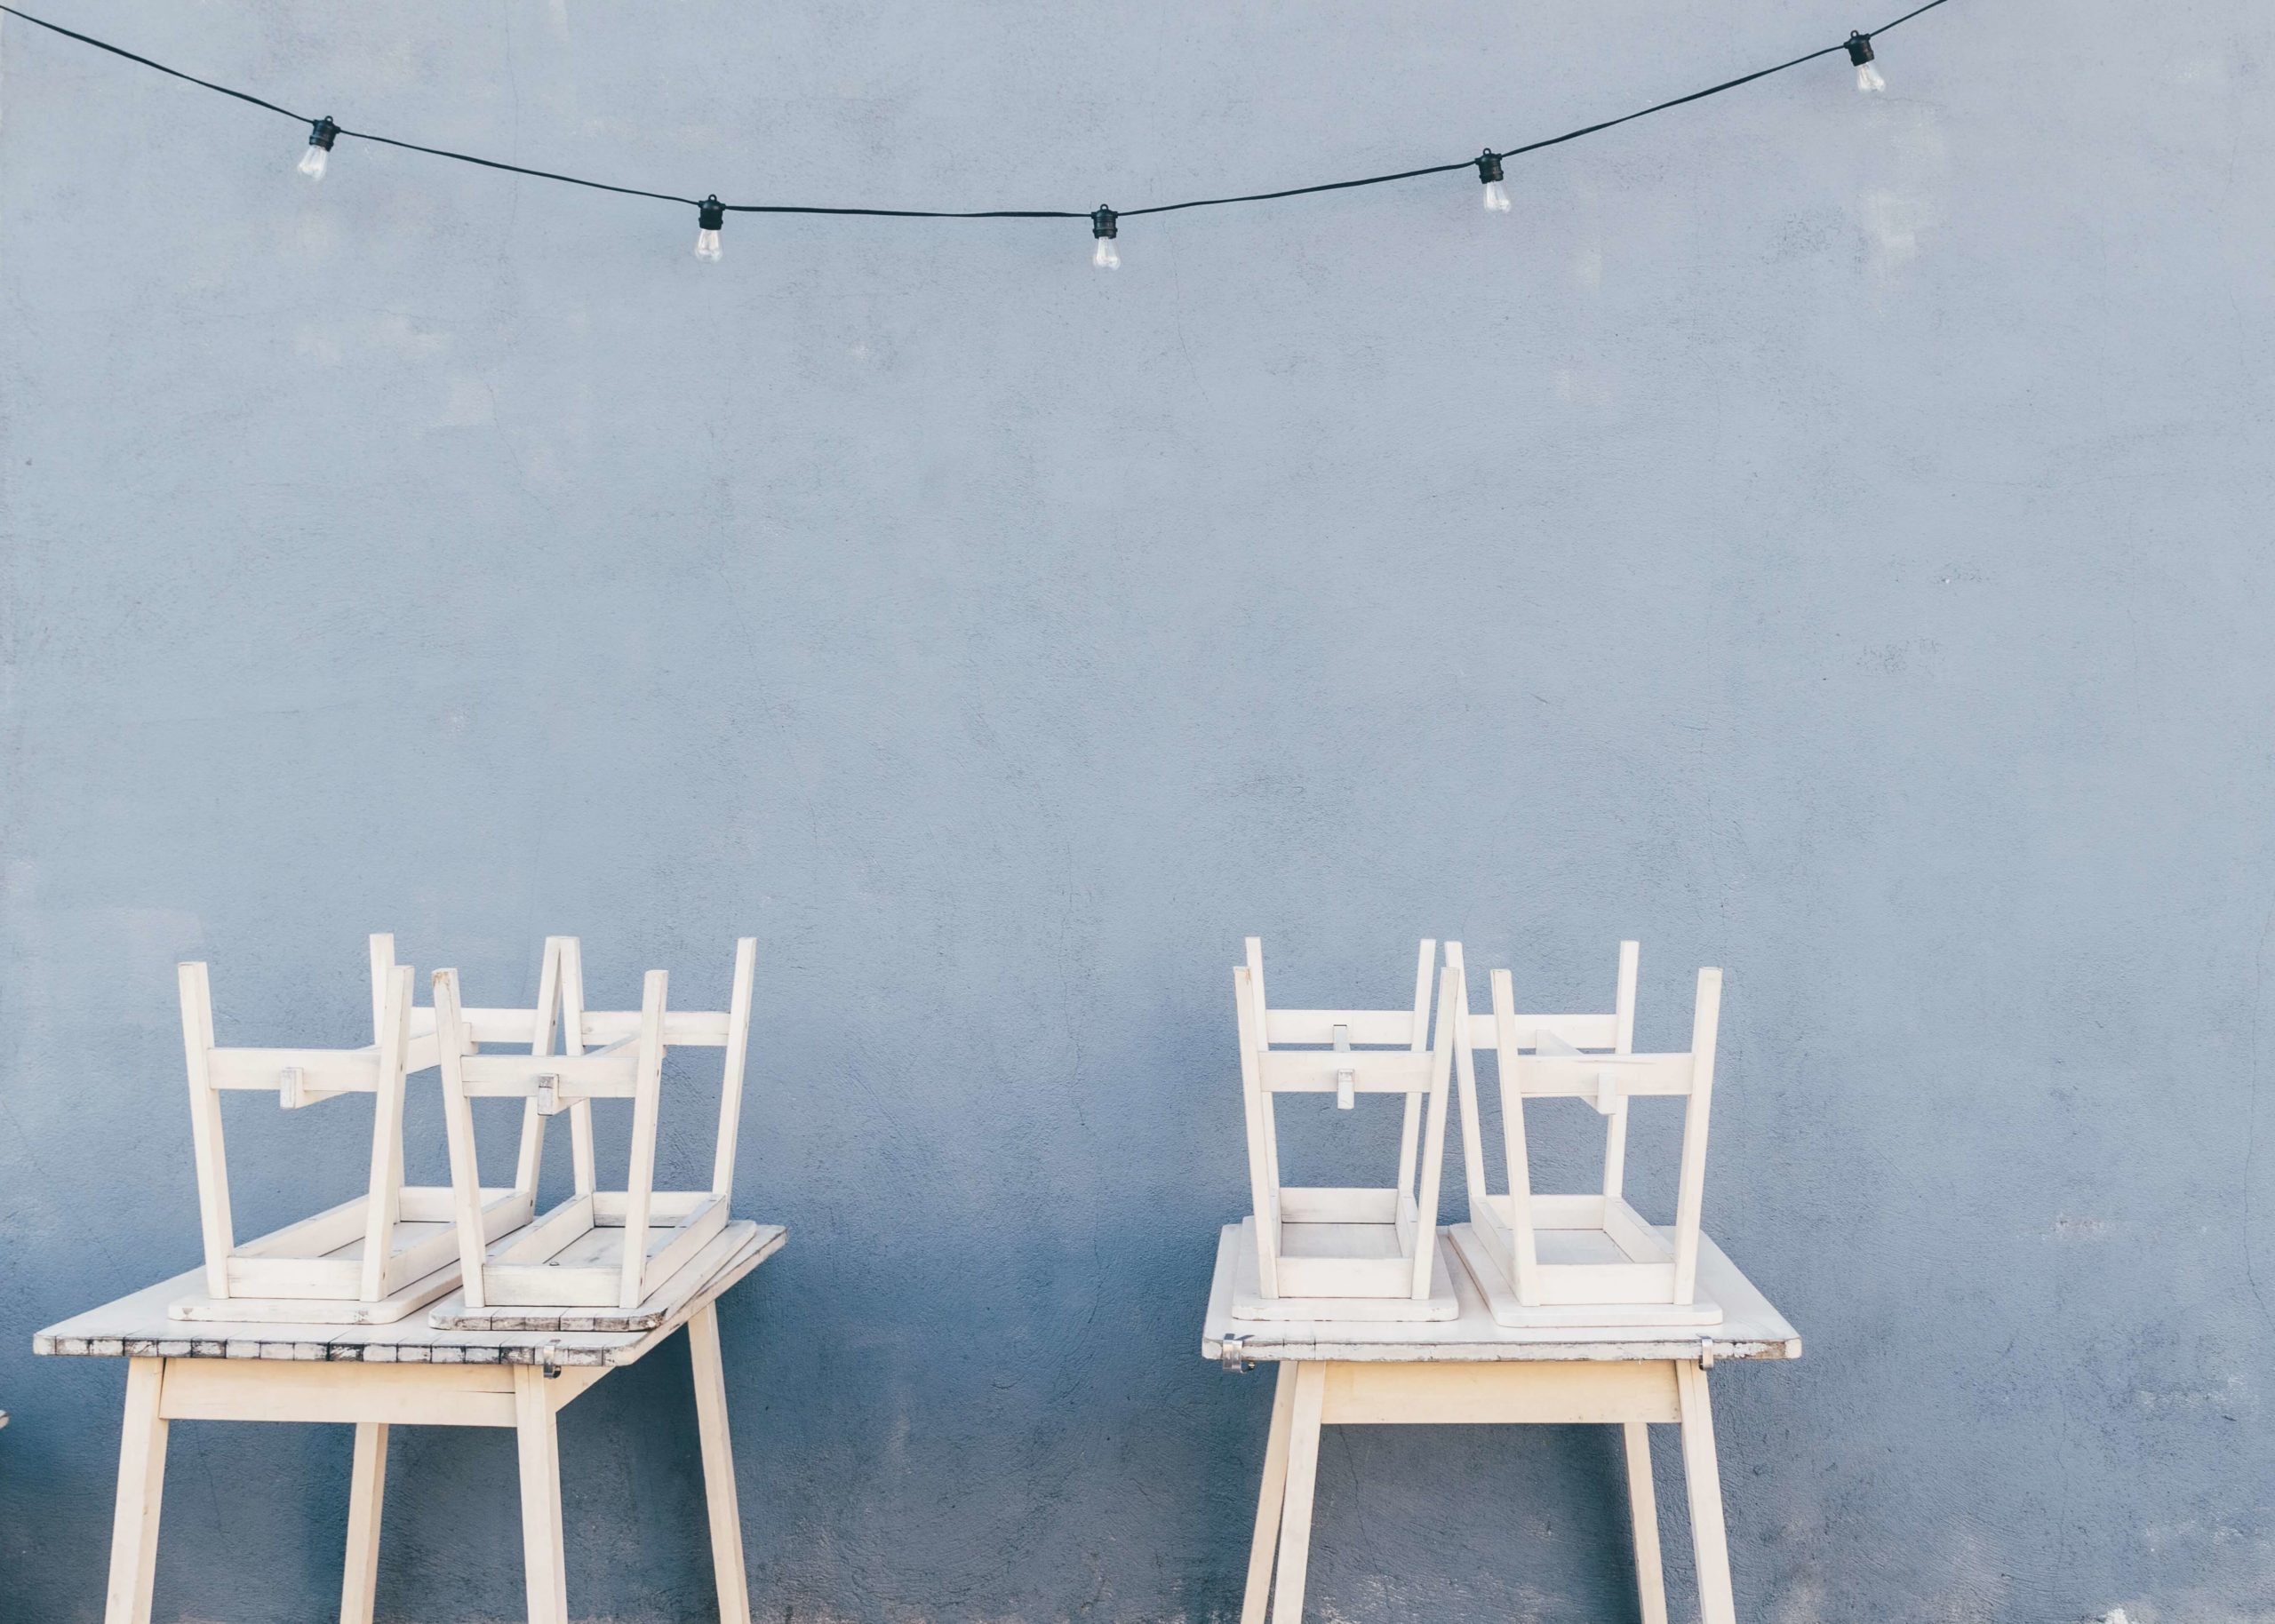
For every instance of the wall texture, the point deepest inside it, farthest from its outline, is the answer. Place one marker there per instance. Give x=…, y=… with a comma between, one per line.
x=1823, y=536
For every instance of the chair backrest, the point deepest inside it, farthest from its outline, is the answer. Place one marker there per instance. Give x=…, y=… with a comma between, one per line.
x=1550, y=1057
x=301, y=1077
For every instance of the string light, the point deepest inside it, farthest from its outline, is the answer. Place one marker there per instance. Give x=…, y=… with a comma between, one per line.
x=1488, y=171
x=320, y=135
x=712, y=213
x=1860, y=52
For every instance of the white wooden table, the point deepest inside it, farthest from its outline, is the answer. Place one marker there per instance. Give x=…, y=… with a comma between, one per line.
x=1471, y=1370
x=405, y=1373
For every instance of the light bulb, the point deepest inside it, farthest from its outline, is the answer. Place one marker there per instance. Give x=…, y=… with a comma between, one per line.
x=1860, y=52
x=1488, y=171
x=1103, y=228
x=710, y=215
x=321, y=134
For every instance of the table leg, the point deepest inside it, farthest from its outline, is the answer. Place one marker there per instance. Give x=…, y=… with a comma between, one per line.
x=1269, y=1497
x=1303, y=1470
x=1643, y=1509
x=1703, y=1479
x=718, y=1465
x=367, y=1491
x=544, y=1559
x=141, y=1482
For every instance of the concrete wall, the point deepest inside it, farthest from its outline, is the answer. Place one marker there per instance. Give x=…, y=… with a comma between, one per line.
x=1822, y=536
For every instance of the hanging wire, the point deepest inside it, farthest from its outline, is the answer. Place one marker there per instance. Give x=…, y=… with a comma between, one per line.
x=968, y=214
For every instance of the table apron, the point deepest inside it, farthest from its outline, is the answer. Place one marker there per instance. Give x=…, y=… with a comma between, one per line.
x=402, y=1394
x=1553, y=1390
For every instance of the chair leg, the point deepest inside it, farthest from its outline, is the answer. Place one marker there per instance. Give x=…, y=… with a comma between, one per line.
x=1303, y=1471
x=718, y=1465
x=141, y=1484
x=544, y=1559
x=367, y=1492
x=1269, y=1497
x=1710, y=1544
x=1643, y=1508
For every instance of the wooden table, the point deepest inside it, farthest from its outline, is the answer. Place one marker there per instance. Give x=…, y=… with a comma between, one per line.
x=1471, y=1370
x=405, y=1373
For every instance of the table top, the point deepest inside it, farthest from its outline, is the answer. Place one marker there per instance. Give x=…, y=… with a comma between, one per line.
x=138, y=1325
x=1751, y=1329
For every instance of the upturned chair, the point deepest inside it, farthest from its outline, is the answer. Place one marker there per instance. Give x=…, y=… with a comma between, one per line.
x=1590, y=1260
x=599, y=1248
x=370, y=1259
x=1325, y=1252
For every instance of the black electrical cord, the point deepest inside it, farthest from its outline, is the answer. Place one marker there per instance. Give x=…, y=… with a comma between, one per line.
x=104, y=44
x=967, y=214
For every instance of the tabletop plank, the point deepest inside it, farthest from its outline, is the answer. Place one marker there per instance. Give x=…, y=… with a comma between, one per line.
x=138, y=1327
x=1751, y=1328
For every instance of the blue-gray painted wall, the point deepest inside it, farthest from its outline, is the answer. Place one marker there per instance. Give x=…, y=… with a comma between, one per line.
x=1822, y=536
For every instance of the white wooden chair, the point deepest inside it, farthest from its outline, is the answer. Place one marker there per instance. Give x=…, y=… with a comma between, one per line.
x=1321, y=1252
x=600, y=1248
x=370, y=1259
x=1582, y=1260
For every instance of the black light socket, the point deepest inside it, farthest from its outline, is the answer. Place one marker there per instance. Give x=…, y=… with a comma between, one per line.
x=1102, y=221
x=1860, y=49
x=1489, y=166
x=710, y=214
x=322, y=132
